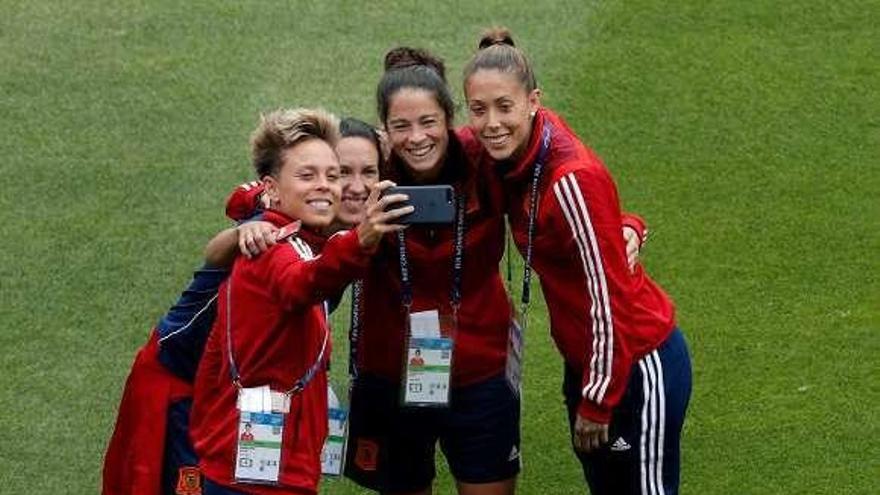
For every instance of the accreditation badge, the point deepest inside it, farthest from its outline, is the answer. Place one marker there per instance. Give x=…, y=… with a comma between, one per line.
x=513, y=369
x=333, y=452
x=428, y=360
x=260, y=433
x=428, y=370
x=258, y=457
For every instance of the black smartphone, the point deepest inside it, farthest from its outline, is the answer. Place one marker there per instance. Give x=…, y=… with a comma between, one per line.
x=433, y=204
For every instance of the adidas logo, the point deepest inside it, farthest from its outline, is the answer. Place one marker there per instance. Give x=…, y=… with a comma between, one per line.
x=620, y=445
x=514, y=454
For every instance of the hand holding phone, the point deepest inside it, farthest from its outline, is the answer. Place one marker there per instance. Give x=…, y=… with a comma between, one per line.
x=383, y=213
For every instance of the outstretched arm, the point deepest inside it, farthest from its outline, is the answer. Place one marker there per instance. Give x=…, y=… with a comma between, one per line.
x=297, y=278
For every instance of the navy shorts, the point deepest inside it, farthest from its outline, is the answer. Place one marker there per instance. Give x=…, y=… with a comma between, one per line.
x=643, y=452
x=391, y=448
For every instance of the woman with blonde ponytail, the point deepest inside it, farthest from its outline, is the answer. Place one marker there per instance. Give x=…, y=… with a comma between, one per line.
x=627, y=371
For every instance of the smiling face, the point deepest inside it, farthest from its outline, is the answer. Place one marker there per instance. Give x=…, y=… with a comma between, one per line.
x=418, y=132
x=359, y=171
x=307, y=186
x=500, y=109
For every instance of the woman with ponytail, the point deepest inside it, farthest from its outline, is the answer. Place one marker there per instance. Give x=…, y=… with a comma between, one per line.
x=438, y=283
x=627, y=371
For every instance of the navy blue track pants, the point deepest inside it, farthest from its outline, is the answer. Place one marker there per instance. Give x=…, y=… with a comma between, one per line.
x=643, y=453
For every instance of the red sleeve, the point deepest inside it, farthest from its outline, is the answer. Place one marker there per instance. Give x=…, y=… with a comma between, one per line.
x=587, y=203
x=296, y=278
x=244, y=201
x=636, y=223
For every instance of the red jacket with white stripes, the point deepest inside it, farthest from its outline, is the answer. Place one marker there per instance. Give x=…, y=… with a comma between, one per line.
x=481, y=338
x=278, y=324
x=603, y=318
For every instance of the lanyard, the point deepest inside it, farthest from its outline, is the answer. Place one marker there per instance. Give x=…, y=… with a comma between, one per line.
x=300, y=383
x=406, y=287
x=406, y=284
x=354, y=328
x=533, y=215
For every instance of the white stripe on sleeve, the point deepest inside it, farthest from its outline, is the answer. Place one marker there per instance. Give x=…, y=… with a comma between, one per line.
x=563, y=196
x=298, y=247
x=574, y=207
x=306, y=249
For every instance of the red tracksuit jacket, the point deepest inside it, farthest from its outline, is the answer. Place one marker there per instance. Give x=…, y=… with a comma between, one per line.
x=481, y=338
x=603, y=318
x=277, y=327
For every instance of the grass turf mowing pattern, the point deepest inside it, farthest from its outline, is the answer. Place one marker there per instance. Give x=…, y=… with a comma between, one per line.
x=744, y=134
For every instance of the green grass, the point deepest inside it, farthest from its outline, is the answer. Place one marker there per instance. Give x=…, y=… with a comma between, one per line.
x=747, y=133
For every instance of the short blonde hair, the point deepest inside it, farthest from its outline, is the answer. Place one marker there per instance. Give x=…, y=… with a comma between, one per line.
x=285, y=128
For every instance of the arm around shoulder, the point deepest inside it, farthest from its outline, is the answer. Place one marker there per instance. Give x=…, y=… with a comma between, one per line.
x=222, y=249
x=250, y=239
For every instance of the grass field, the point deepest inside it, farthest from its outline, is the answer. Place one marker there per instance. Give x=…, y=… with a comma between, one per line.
x=747, y=133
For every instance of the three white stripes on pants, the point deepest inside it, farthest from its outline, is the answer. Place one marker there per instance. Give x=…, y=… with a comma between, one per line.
x=653, y=425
